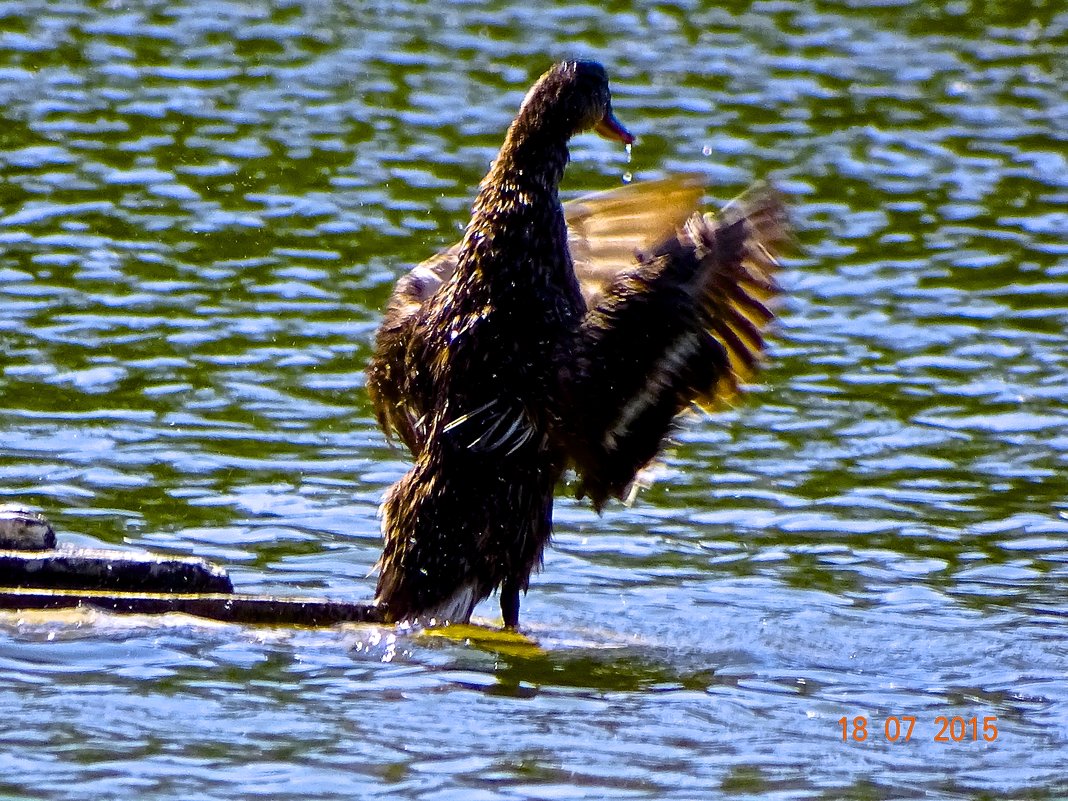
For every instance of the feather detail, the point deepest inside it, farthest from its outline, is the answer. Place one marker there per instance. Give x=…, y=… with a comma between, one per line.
x=685, y=325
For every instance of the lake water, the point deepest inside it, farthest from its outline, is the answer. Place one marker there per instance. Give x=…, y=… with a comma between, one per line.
x=203, y=207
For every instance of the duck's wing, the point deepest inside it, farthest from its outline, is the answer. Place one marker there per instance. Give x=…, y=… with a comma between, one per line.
x=398, y=386
x=684, y=325
x=605, y=230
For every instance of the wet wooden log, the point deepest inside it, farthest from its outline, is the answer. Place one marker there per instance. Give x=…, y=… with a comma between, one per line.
x=244, y=609
x=99, y=569
x=35, y=574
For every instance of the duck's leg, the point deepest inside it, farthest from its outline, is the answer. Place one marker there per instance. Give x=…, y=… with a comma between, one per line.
x=510, y=603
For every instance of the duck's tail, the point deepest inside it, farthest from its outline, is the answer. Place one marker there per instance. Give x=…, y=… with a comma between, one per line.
x=685, y=325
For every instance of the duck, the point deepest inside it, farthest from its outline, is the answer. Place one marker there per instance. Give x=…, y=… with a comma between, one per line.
x=555, y=337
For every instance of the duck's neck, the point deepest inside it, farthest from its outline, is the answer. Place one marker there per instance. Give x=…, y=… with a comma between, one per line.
x=532, y=158
x=517, y=235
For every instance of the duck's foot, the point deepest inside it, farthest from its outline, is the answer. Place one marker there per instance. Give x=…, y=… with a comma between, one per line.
x=510, y=604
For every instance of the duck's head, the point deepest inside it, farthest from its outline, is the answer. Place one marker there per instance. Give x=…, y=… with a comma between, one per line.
x=570, y=98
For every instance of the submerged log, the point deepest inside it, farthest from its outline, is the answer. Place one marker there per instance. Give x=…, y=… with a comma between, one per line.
x=35, y=574
x=98, y=569
x=245, y=609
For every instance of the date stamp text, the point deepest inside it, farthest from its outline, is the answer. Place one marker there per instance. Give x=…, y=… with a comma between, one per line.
x=901, y=728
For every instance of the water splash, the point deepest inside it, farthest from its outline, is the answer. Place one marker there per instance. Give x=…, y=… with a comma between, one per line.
x=628, y=176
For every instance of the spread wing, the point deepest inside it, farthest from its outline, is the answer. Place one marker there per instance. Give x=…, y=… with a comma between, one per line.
x=684, y=325
x=605, y=230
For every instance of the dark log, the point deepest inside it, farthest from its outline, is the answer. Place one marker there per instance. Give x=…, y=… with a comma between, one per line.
x=96, y=569
x=246, y=609
x=35, y=574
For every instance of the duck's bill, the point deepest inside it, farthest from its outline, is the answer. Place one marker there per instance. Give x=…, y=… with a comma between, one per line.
x=611, y=128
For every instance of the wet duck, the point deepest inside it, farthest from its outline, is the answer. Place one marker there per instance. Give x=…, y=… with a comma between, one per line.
x=499, y=369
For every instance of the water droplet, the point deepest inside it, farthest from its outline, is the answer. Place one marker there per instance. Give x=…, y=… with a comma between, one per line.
x=706, y=151
x=627, y=177
x=628, y=153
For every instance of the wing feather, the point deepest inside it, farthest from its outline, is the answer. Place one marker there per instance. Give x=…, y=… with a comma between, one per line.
x=685, y=325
